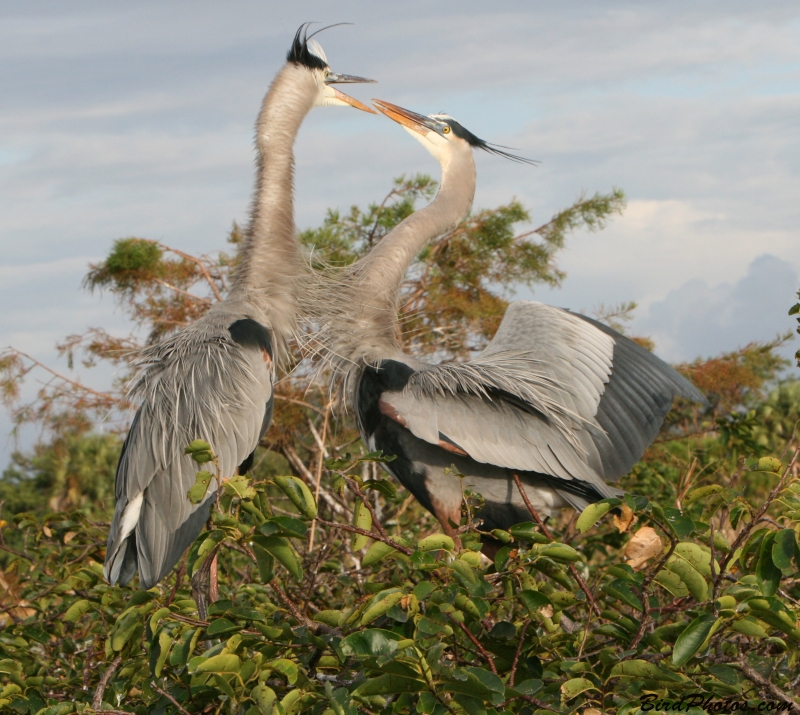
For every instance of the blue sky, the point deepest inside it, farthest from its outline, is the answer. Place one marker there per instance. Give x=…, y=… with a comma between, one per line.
x=136, y=119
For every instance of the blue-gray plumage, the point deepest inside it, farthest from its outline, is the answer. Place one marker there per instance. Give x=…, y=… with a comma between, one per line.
x=559, y=399
x=213, y=380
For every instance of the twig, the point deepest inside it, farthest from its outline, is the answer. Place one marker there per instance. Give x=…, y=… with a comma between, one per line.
x=517, y=654
x=170, y=698
x=573, y=571
x=745, y=532
x=478, y=645
x=196, y=260
x=755, y=677
x=364, y=532
x=97, y=700
x=104, y=395
x=299, y=617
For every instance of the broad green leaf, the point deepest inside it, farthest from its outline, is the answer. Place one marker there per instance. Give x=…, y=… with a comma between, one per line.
x=529, y=532
x=266, y=564
x=381, y=603
x=621, y=590
x=362, y=519
x=388, y=684
x=376, y=553
x=286, y=668
x=692, y=638
x=282, y=551
x=372, y=641
x=769, y=464
x=264, y=698
x=643, y=669
x=240, y=486
x=165, y=641
x=592, y=513
x=200, y=451
x=383, y=486
x=574, y=687
x=222, y=663
x=690, y=576
x=124, y=629
x=283, y=526
x=76, y=610
x=701, y=493
x=680, y=524
x=219, y=626
x=697, y=557
x=329, y=617
x=299, y=494
x=767, y=573
x=435, y=542
x=783, y=548
x=197, y=492
x=533, y=600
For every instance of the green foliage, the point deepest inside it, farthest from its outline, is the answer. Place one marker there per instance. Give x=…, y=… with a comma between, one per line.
x=427, y=627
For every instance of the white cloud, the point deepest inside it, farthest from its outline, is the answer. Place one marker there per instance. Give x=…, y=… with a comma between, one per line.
x=702, y=320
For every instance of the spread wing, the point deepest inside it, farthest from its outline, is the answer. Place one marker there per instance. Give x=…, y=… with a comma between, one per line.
x=217, y=394
x=554, y=392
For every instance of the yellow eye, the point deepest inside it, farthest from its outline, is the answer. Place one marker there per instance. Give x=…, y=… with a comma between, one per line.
x=445, y=129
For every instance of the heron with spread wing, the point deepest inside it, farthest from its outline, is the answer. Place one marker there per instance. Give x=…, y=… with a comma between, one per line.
x=213, y=380
x=558, y=399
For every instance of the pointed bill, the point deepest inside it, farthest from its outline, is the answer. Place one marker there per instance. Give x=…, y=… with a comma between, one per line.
x=352, y=101
x=416, y=122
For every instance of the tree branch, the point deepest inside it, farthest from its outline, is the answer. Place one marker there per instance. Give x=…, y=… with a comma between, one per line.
x=97, y=700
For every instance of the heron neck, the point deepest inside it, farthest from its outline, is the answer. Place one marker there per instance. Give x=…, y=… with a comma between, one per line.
x=270, y=265
x=380, y=274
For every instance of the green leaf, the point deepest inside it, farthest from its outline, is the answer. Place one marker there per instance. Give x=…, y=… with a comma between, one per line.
x=692, y=638
x=283, y=526
x=383, y=486
x=239, y=486
x=533, y=600
x=165, y=641
x=529, y=532
x=124, y=629
x=643, y=669
x=200, y=451
x=264, y=697
x=696, y=556
x=329, y=617
x=621, y=590
x=266, y=564
x=680, y=524
x=768, y=574
x=701, y=493
x=287, y=668
x=574, y=687
x=380, y=603
x=749, y=626
x=690, y=576
x=197, y=492
x=592, y=513
x=362, y=519
x=222, y=625
x=783, y=548
x=388, y=684
x=370, y=642
x=672, y=583
x=376, y=553
x=435, y=542
x=222, y=663
x=282, y=551
x=299, y=494
x=769, y=464
x=76, y=610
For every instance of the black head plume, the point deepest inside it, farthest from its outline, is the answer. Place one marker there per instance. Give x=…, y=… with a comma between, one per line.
x=300, y=53
x=477, y=143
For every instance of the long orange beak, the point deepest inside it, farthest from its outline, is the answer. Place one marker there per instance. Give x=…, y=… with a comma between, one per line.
x=416, y=122
x=352, y=101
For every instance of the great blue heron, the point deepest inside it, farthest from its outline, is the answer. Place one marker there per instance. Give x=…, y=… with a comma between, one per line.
x=560, y=400
x=213, y=380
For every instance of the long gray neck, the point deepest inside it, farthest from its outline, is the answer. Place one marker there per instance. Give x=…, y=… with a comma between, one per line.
x=369, y=294
x=270, y=266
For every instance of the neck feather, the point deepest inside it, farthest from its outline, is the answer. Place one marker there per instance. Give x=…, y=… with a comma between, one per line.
x=270, y=266
x=360, y=307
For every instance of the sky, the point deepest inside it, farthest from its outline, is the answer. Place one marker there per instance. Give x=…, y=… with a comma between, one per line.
x=136, y=119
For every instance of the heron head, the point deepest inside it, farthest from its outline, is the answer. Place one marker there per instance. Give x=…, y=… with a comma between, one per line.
x=440, y=134
x=306, y=52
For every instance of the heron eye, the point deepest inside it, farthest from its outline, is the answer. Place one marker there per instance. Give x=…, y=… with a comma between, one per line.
x=445, y=129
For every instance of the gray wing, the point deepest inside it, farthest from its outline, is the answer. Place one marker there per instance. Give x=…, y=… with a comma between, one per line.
x=218, y=395
x=553, y=392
